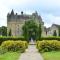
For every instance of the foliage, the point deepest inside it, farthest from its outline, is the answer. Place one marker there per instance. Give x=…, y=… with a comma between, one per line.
x=2, y=50
x=3, y=31
x=48, y=45
x=9, y=33
x=25, y=31
x=39, y=31
x=30, y=30
x=4, y=38
x=0, y=31
x=59, y=31
x=54, y=34
x=50, y=38
x=14, y=45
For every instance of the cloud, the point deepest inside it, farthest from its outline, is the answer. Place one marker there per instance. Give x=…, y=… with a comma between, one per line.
x=50, y=19
x=48, y=9
x=3, y=13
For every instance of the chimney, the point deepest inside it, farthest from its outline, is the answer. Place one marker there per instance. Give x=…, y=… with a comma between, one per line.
x=21, y=12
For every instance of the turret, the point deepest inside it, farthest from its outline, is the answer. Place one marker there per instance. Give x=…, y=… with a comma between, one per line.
x=12, y=12
x=35, y=14
x=8, y=14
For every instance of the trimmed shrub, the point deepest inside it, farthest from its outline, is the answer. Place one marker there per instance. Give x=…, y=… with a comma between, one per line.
x=14, y=45
x=4, y=38
x=50, y=38
x=2, y=50
x=48, y=45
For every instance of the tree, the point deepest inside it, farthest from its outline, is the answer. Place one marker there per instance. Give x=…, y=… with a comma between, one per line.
x=30, y=30
x=25, y=31
x=54, y=34
x=9, y=32
x=59, y=31
x=39, y=31
x=4, y=31
x=0, y=31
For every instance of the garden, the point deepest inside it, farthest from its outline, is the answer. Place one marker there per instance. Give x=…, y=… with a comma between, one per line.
x=12, y=47
x=11, y=50
x=50, y=49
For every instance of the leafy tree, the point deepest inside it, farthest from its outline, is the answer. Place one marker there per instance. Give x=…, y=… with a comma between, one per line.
x=9, y=33
x=59, y=31
x=54, y=34
x=3, y=31
x=30, y=30
x=40, y=31
x=0, y=31
x=25, y=31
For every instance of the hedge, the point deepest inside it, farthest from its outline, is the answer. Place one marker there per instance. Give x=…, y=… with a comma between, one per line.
x=11, y=38
x=48, y=45
x=50, y=38
x=4, y=38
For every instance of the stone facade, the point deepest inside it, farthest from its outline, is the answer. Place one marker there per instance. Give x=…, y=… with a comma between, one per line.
x=15, y=22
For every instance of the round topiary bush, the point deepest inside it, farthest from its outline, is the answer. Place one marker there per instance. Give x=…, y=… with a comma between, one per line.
x=48, y=45
x=15, y=45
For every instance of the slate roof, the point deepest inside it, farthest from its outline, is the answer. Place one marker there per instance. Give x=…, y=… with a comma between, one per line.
x=56, y=25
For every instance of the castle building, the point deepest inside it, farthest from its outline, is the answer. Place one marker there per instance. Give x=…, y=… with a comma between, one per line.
x=15, y=23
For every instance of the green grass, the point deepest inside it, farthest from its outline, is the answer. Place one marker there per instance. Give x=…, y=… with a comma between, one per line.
x=51, y=55
x=10, y=56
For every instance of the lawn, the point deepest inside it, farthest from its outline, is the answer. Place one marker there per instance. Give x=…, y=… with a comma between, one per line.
x=51, y=55
x=10, y=56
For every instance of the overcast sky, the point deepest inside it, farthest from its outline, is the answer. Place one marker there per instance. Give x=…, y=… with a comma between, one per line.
x=48, y=9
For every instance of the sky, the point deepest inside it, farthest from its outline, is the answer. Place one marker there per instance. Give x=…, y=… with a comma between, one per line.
x=49, y=10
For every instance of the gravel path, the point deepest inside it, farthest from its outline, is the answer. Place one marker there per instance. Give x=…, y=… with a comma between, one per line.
x=31, y=54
